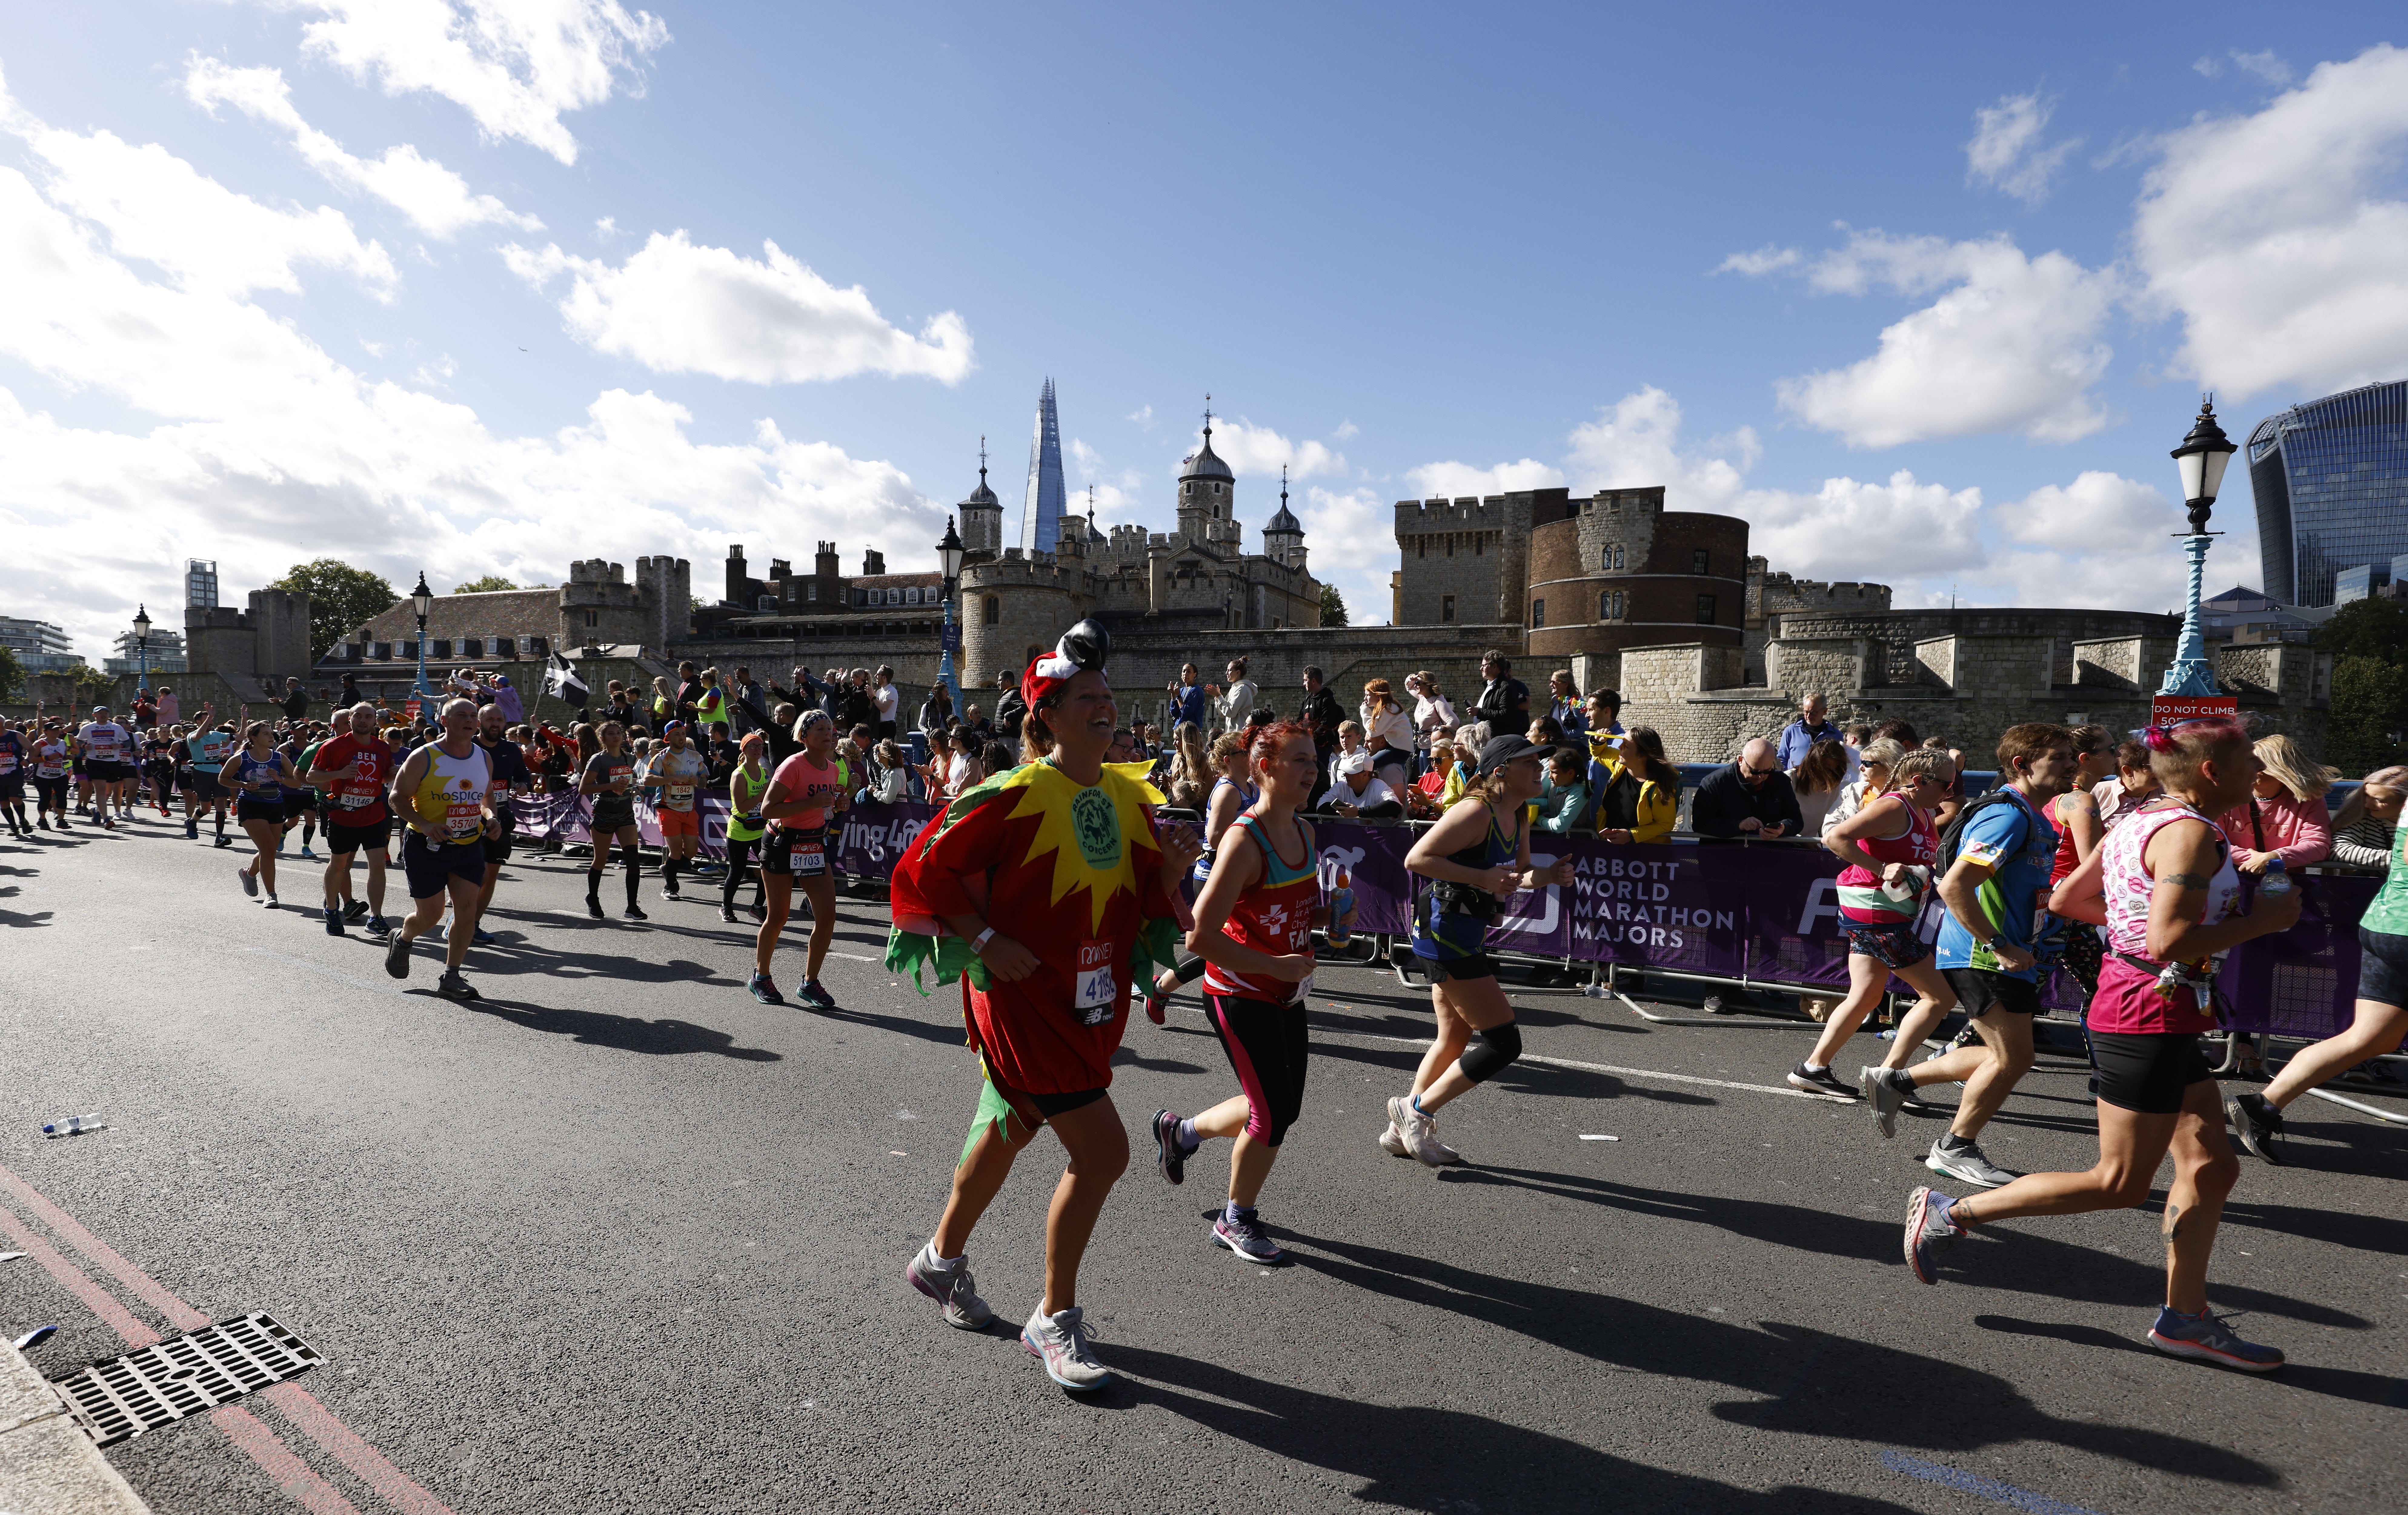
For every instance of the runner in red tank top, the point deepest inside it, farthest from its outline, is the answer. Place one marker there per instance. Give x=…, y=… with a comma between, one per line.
x=1253, y=929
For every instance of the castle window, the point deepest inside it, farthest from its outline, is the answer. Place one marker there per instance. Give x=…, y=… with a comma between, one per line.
x=1446, y=608
x=1705, y=609
x=1698, y=560
x=1478, y=542
x=991, y=608
x=811, y=593
x=1538, y=614
x=1421, y=546
x=1450, y=547
x=1618, y=559
x=592, y=618
x=1605, y=606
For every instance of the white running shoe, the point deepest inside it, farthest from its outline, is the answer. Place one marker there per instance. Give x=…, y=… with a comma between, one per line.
x=1419, y=1133
x=1969, y=1164
x=1060, y=1342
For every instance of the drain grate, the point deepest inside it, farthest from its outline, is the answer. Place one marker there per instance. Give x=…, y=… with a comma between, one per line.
x=165, y=1383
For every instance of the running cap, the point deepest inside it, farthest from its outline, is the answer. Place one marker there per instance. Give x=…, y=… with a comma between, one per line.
x=1500, y=751
x=1358, y=760
x=674, y=725
x=1084, y=645
x=501, y=679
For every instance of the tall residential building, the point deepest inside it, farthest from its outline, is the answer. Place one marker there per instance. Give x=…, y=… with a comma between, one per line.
x=40, y=646
x=164, y=653
x=2331, y=482
x=201, y=583
x=1040, y=521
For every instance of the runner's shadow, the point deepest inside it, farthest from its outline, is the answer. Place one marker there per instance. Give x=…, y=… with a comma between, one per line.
x=1806, y=1381
x=2382, y=1234
x=1124, y=1057
x=2027, y=1261
x=944, y=1033
x=627, y=1034
x=1428, y=1458
x=2339, y=1383
x=14, y=917
x=527, y=958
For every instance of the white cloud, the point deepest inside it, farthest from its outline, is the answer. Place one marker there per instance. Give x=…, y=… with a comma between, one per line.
x=2209, y=67
x=2271, y=236
x=157, y=207
x=1635, y=443
x=678, y=308
x=1351, y=539
x=1258, y=450
x=253, y=447
x=2265, y=65
x=1456, y=481
x=1765, y=260
x=430, y=195
x=1921, y=529
x=2012, y=346
x=2102, y=540
x=2007, y=152
x=514, y=66
x=607, y=228
x=1143, y=416
x=1347, y=431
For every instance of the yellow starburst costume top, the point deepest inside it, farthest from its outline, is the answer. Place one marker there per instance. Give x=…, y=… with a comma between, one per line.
x=1072, y=872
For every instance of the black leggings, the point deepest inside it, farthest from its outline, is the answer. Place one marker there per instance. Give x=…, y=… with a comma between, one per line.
x=738, y=852
x=631, y=863
x=1267, y=1046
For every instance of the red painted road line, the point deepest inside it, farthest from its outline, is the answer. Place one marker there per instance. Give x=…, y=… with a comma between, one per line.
x=297, y=1404
x=394, y=1486
x=241, y=1426
x=104, y=1303
x=278, y=1461
x=145, y=1288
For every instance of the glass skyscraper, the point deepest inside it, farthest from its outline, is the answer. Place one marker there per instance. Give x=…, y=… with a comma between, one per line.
x=2331, y=477
x=1040, y=522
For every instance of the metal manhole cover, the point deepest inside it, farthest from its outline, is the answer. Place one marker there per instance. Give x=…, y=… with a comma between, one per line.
x=159, y=1385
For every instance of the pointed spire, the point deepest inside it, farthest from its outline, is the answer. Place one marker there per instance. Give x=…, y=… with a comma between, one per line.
x=982, y=460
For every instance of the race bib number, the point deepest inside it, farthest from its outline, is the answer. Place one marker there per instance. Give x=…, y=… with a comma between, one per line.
x=681, y=796
x=355, y=802
x=808, y=857
x=1098, y=992
x=1298, y=990
x=7, y=761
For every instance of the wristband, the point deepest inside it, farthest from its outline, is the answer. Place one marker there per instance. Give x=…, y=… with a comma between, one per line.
x=978, y=943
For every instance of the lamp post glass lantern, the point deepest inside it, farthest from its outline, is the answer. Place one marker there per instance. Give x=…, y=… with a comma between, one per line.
x=141, y=646
x=950, y=553
x=2202, y=459
x=423, y=599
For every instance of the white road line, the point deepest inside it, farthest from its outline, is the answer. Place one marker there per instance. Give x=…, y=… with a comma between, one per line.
x=1627, y=1073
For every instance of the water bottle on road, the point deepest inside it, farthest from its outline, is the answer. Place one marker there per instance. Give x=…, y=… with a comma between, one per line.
x=73, y=1125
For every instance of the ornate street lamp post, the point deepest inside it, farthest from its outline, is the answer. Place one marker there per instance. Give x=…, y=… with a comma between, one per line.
x=141, y=646
x=423, y=599
x=2201, y=457
x=950, y=553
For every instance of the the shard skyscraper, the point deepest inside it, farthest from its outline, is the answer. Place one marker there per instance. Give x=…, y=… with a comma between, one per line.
x=1041, y=520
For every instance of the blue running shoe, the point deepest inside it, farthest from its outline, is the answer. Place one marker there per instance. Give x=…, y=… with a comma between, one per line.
x=483, y=937
x=1928, y=1230
x=812, y=994
x=2210, y=1340
x=764, y=990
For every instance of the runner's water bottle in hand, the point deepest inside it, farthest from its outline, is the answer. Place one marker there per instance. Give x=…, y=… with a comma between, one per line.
x=1342, y=905
x=2277, y=881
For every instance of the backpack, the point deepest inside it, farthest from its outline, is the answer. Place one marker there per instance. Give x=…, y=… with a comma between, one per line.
x=1954, y=832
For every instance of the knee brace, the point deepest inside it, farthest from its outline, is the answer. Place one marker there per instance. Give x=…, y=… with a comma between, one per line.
x=1498, y=1048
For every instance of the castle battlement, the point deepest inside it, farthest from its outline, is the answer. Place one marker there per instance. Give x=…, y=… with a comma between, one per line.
x=1465, y=513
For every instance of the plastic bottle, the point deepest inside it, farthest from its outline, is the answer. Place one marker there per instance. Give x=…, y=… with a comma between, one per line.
x=71, y=1125
x=2277, y=881
x=1342, y=905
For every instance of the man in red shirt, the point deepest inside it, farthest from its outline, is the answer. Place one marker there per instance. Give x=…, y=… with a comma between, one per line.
x=1048, y=890
x=352, y=768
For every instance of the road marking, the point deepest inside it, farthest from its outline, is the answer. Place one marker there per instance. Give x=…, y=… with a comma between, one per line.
x=1979, y=1487
x=313, y=1418
x=1609, y=1067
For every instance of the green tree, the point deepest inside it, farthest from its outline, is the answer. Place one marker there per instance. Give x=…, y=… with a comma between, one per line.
x=2368, y=629
x=483, y=586
x=1333, y=606
x=12, y=675
x=2369, y=713
x=341, y=597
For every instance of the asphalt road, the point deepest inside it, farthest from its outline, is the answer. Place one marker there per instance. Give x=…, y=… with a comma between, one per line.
x=619, y=1239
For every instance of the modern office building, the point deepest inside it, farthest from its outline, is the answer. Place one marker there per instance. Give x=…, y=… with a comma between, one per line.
x=164, y=653
x=1040, y=522
x=201, y=583
x=40, y=646
x=2331, y=477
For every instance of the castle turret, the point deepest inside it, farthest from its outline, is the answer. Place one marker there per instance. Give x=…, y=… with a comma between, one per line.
x=1208, y=490
x=982, y=514
x=1284, y=534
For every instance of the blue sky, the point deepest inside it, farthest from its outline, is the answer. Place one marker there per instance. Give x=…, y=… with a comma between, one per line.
x=483, y=287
